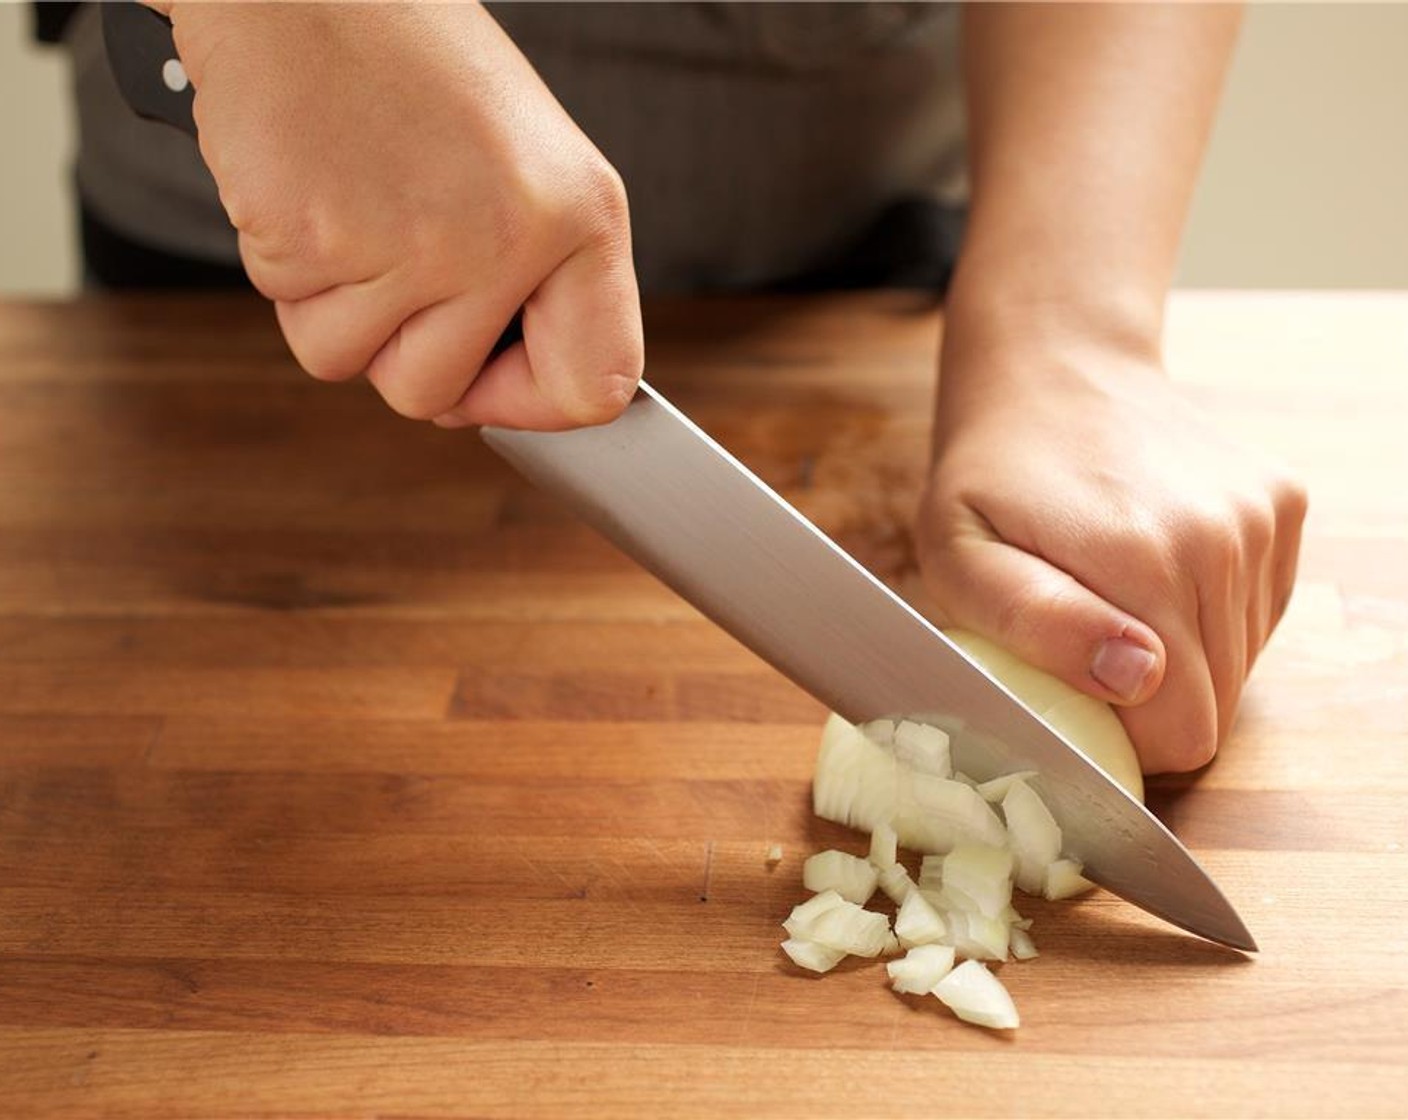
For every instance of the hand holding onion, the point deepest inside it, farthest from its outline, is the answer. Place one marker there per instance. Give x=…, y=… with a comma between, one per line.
x=1083, y=515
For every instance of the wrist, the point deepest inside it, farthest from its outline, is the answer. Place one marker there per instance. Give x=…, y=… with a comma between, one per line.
x=1020, y=310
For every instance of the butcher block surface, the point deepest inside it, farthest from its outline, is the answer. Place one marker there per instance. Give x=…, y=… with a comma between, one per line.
x=342, y=774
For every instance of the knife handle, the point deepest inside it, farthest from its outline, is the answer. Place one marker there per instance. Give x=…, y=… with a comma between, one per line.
x=143, y=58
x=142, y=54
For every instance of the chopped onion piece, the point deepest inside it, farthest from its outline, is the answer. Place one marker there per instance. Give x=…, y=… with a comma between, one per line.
x=1014, y=919
x=918, y=923
x=975, y=995
x=848, y=927
x=979, y=878
x=1023, y=948
x=923, y=748
x=921, y=969
x=775, y=854
x=849, y=876
x=884, y=847
x=938, y=813
x=931, y=872
x=896, y=883
x=892, y=948
x=857, y=780
x=1064, y=880
x=810, y=955
x=1035, y=835
x=994, y=791
x=976, y=937
x=804, y=914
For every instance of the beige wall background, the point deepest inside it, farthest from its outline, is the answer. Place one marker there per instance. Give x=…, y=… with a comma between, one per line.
x=1306, y=183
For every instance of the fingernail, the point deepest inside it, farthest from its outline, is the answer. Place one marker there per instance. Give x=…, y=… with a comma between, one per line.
x=1123, y=667
x=450, y=420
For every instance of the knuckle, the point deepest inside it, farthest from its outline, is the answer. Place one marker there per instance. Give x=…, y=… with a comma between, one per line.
x=605, y=207
x=1257, y=520
x=607, y=396
x=406, y=395
x=1292, y=500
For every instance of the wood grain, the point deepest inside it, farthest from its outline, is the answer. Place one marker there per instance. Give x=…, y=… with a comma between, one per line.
x=343, y=774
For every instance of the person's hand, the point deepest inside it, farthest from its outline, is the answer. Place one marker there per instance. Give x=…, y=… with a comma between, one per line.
x=1082, y=514
x=403, y=183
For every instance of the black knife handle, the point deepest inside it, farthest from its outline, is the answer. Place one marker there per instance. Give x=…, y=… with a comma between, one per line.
x=143, y=58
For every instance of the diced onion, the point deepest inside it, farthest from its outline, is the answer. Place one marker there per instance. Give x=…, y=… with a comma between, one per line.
x=1035, y=835
x=1023, y=948
x=977, y=937
x=918, y=923
x=884, y=845
x=923, y=748
x=979, y=878
x=805, y=913
x=849, y=876
x=828, y=919
x=810, y=955
x=975, y=995
x=1064, y=880
x=896, y=883
x=919, y=971
x=994, y=791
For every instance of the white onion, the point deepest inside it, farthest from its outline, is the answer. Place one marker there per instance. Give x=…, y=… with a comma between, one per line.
x=1023, y=948
x=923, y=748
x=896, y=883
x=857, y=780
x=843, y=926
x=849, y=876
x=976, y=936
x=920, y=970
x=1088, y=724
x=975, y=995
x=979, y=877
x=895, y=780
x=1064, y=880
x=884, y=846
x=937, y=813
x=918, y=923
x=810, y=955
x=1035, y=835
x=994, y=791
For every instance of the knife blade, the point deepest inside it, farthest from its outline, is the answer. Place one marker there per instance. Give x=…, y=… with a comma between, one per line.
x=676, y=501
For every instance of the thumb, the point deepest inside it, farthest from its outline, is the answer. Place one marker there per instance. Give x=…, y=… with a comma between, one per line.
x=1046, y=617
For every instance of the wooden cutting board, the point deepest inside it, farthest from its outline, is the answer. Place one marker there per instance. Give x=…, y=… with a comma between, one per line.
x=341, y=774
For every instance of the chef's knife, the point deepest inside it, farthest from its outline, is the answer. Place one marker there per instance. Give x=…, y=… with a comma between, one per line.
x=671, y=497
x=691, y=513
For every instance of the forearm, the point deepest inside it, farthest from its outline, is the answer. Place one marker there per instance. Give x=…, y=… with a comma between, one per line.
x=1087, y=124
